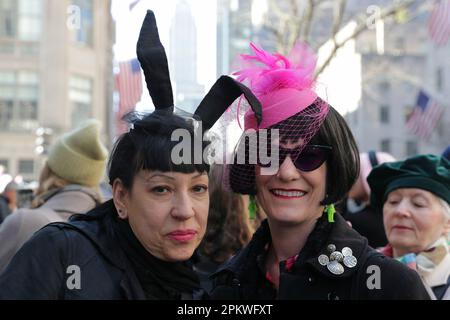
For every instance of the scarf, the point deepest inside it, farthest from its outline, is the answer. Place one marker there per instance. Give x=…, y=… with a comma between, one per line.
x=160, y=280
x=424, y=262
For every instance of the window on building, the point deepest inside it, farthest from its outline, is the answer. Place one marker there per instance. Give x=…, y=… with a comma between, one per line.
x=411, y=148
x=30, y=20
x=384, y=114
x=21, y=19
x=19, y=96
x=7, y=96
x=5, y=164
x=26, y=166
x=385, y=145
x=8, y=18
x=440, y=79
x=80, y=95
x=85, y=33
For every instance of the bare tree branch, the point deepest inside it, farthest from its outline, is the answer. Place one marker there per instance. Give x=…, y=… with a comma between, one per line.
x=338, y=17
x=361, y=27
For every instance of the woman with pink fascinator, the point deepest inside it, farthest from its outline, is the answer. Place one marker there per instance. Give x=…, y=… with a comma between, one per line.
x=304, y=250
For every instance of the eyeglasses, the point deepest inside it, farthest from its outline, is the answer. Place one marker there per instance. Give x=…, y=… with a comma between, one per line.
x=309, y=159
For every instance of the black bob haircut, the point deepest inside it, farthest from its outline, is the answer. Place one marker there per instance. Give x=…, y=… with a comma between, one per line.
x=342, y=164
x=148, y=146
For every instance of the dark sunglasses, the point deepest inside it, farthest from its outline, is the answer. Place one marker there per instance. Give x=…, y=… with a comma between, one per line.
x=309, y=159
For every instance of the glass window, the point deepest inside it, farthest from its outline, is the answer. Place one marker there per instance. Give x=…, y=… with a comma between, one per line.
x=5, y=164
x=21, y=19
x=80, y=96
x=8, y=18
x=19, y=97
x=7, y=77
x=30, y=20
x=385, y=145
x=384, y=114
x=26, y=166
x=85, y=33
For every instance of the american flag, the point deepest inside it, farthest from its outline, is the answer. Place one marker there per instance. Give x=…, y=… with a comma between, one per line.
x=129, y=85
x=439, y=22
x=425, y=116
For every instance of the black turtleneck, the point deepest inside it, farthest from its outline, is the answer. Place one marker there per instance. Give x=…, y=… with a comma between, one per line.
x=160, y=280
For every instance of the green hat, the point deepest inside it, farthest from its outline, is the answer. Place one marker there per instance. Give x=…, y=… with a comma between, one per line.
x=428, y=172
x=79, y=156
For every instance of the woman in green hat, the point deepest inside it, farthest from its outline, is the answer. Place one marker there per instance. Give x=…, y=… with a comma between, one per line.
x=414, y=195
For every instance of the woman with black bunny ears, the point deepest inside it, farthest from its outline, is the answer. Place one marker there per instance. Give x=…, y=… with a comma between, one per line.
x=139, y=244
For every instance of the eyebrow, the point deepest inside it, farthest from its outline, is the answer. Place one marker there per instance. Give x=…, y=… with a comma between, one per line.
x=420, y=195
x=159, y=175
x=172, y=178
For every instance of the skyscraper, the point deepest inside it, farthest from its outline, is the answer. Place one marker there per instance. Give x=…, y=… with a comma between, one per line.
x=183, y=58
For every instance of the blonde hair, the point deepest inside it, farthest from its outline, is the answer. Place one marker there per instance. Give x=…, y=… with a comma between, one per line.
x=49, y=181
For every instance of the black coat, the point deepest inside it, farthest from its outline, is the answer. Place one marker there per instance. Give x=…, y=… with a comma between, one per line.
x=369, y=223
x=243, y=277
x=40, y=270
x=42, y=267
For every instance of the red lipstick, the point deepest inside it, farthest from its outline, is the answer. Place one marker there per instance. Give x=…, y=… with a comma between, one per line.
x=182, y=235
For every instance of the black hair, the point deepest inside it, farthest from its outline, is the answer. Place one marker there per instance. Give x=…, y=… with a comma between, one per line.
x=342, y=164
x=148, y=146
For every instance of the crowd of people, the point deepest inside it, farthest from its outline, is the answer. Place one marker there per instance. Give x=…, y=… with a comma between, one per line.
x=327, y=223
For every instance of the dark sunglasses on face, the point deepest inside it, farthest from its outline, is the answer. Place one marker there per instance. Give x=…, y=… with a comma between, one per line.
x=309, y=159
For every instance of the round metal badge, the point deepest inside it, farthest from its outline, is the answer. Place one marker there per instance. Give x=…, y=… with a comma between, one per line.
x=331, y=248
x=337, y=256
x=335, y=268
x=347, y=252
x=323, y=260
x=350, y=261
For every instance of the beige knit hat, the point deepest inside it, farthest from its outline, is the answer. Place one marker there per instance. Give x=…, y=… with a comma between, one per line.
x=79, y=156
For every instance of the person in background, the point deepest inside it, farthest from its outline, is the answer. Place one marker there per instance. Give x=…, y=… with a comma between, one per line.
x=363, y=218
x=68, y=184
x=8, y=200
x=230, y=225
x=414, y=196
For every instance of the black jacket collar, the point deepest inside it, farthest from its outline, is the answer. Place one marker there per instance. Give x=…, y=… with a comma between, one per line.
x=338, y=233
x=96, y=226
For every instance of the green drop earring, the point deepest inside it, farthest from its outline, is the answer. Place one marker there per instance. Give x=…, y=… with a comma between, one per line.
x=330, y=210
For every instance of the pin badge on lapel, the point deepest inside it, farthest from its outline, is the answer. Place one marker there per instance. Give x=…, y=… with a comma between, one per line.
x=333, y=263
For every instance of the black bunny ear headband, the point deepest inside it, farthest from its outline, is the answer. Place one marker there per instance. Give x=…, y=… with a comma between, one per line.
x=153, y=60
